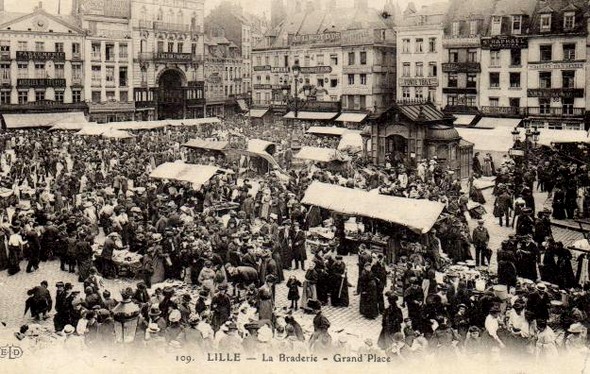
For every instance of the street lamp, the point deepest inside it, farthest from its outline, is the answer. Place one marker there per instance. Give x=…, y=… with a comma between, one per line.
x=296, y=71
x=536, y=134
x=515, y=134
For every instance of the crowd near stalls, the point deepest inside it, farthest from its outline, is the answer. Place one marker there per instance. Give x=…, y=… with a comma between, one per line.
x=210, y=222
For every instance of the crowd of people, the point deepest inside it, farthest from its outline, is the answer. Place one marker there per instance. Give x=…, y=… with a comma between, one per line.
x=213, y=259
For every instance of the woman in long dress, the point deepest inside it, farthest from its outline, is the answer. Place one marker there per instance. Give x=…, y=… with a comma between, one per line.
x=265, y=300
x=3, y=252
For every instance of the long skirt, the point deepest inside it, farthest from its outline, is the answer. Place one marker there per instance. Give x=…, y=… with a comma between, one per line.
x=3, y=257
x=309, y=293
x=84, y=267
x=13, y=260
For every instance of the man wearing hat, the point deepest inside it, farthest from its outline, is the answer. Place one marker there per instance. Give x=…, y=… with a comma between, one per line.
x=299, y=251
x=538, y=302
x=155, y=317
x=220, y=307
x=339, y=283
x=503, y=206
x=61, y=308
x=481, y=238
x=525, y=224
x=108, y=269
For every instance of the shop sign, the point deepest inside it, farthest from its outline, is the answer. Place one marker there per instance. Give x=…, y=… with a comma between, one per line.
x=262, y=86
x=417, y=82
x=40, y=56
x=461, y=67
x=556, y=65
x=567, y=93
x=504, y=42
x=316, y=69
x=42, y=82
x=279, y=69
x=261, y=68
x=323, y=38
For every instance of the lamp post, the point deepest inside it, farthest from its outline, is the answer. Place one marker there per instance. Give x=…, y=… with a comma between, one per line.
x=296, y=72
x=529, y=134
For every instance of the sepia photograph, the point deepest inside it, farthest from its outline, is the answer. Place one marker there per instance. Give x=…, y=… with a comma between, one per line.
x=290, y=186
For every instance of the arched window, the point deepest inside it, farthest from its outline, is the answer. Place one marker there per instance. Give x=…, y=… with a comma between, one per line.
x=160, y=16
x=170, y=16
x=179, y=18
x=143, y=14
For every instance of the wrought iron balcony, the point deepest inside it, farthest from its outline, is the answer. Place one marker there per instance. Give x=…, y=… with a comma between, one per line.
x=167, y=26
x=556, y=112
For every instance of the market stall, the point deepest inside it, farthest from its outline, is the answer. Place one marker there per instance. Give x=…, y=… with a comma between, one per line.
x=207, y=147
x=389, y=215
x=258, y=156
x=197, y=175
x=331, y=159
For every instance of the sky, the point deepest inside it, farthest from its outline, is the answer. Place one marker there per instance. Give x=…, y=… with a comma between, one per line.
x=255, y=6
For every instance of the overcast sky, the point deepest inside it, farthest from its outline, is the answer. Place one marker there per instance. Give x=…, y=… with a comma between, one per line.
x=255, y=6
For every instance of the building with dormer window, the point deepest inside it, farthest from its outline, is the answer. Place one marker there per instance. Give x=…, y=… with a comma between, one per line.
x=556, y=92
x=41, y=63
x=419, y=41
x=466, y=22
x=504, y=59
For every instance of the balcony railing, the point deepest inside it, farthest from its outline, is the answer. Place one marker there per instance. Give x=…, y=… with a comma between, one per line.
x=465, y=109
x=95, y=57
x=76, y=56
x=167, y=26
x=504, y=111
x=144, y=24
x=562, y=111
x=76, y=81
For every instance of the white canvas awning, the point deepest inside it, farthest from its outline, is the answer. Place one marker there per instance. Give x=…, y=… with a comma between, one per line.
x=351, y=117
x=490, y=122
x=200, y=121
x=242, y=104
x=311, y=115
x=71, y=126
x=94, y=129
x=321, y=154
x=491, y=140
x=141, y=125
x=351, y=141
x=463, y=119
x=549, y=137
x=257, y=113
x=206, y=144
x=192, y=173
x=327, y=130
x=116, y=134
x=417, y=214
x=19, y=121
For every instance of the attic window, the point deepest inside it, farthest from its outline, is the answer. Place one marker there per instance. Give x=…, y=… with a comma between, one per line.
x=496, y=25
x=569, y=20
x=545, y=22
x=456, y=27
x=50, y=30
x=516, y=25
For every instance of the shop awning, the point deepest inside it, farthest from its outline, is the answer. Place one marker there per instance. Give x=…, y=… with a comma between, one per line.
x=261, y=146
x=326, y=130
x=257, y=113
x=195, y=174
x=20, y=121
x=311, y=115
x=417, y=214
x=490, y=122
x=71, y=126
x=463, y=119
x=321, y=154
x=351, y=117
x=242, y=104
x=206, y=144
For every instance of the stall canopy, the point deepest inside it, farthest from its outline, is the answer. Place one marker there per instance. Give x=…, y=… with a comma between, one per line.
x=94, y=130
x=489, y=122
x=71, y=126
x=494, y=140
x=549, y=137
x=242, y=104
x=19, y=121
x=327, y=130
x=195, y=174
x=142, y=125
x=213, y=145
x=257, y=113
x=261, y=146
x=351, y=117
x=200, y=121
x=416, y=214
x=351, y=141
x=311, y=115
x=321, y=154
x=116, y=134
x=463, y=119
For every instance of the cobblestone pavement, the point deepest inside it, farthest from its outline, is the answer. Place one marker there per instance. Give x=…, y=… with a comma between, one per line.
x=13, y=289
